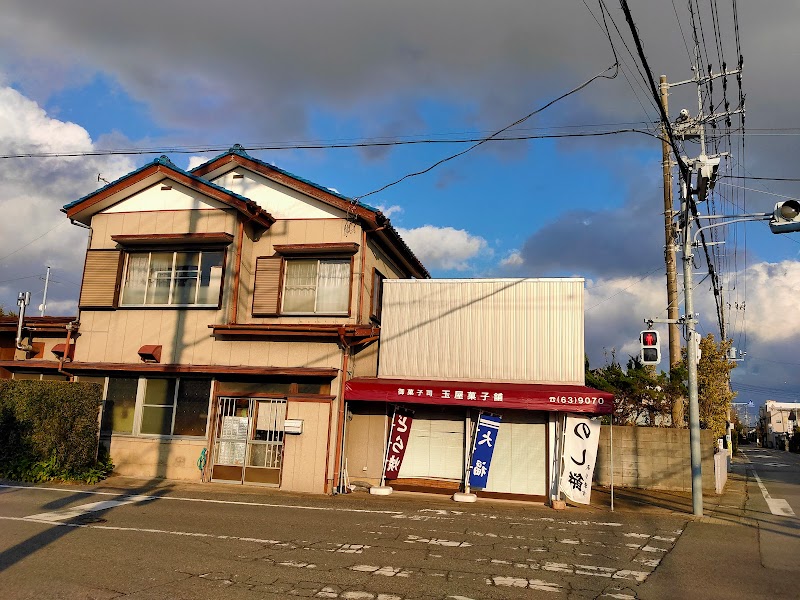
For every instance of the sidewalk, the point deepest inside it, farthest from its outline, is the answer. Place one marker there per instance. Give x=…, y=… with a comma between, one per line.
x=718, y=555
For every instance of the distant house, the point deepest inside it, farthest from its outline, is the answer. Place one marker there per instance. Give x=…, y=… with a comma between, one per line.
x=778, y=421
x=222, y=308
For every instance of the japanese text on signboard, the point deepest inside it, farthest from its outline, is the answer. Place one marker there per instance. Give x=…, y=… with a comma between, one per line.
x=580, y=453
x=451, y=394
x=483, y=448
x=398, y=441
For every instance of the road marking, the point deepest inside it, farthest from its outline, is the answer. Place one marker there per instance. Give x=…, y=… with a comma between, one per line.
x=206, y=500
x=777, y=506
x=82, y=509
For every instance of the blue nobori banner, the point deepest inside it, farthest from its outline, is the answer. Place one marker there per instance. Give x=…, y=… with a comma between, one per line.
x=483, y=448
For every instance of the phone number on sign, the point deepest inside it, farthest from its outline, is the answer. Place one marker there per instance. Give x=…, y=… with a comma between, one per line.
x=576, y=400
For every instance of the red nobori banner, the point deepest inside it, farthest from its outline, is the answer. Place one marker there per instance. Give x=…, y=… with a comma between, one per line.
x=481, y=394
x=398, y=441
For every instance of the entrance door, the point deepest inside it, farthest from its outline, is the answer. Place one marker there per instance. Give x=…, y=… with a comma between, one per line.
x=248, y=445
x=265, y=446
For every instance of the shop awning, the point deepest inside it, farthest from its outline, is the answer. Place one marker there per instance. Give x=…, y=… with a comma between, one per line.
x=488, y=396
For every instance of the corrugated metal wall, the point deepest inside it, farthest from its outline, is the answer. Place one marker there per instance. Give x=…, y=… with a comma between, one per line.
x=483, y=329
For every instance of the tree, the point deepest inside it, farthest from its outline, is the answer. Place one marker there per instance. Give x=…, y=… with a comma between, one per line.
x=641, y=396
x=713, y=384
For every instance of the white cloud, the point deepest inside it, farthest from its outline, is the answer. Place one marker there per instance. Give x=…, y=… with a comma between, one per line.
x=772, y=293
x=34, y=232
x=760, y=321
x=196, y=161
x=514, y=259
x=444, y=248
x=394, y=209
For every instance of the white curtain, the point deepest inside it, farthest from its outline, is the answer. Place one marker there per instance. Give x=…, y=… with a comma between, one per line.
x=333, y=286
x=135, y=279
x=299, y=291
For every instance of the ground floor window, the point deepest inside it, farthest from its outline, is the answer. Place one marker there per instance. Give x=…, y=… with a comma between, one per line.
x=157, y=406
x=22, y=376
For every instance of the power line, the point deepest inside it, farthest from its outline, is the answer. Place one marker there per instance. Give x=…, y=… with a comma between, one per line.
x=497, y=133
x=758, y=178
x=741, y=187
x=218, y=149
x=2, y=258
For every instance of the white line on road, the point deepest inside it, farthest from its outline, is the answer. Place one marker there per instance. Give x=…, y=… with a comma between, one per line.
x=777, y=506
x=141, y=530
x=82, y=509
x=206, y=500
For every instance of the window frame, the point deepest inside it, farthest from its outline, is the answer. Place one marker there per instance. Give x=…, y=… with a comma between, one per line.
x=175, y=250
x=376, y=295
x=339, y=258
x=143, y=405
x=139, y=408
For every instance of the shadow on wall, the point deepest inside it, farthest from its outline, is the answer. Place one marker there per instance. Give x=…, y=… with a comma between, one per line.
x=163, y=459
x=652, y=458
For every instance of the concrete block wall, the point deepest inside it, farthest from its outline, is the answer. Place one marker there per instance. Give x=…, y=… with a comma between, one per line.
x=652, y=458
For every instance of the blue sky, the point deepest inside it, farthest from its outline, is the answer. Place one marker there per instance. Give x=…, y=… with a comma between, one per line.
x=95, y=77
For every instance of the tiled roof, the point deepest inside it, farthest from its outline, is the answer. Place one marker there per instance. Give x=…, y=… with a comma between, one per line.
x=239, y=150
x=161, y=160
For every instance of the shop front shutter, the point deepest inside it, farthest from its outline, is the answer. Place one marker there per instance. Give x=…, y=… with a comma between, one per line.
x=435, y=445
x=267, y=285
x=519, y=462
x=101, y=279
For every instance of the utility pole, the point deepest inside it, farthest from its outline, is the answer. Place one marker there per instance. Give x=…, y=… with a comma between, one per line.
x=691, y=354
x=673, y=309
x=706, y=168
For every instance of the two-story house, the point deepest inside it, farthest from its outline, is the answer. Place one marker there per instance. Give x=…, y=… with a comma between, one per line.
x=223, y=309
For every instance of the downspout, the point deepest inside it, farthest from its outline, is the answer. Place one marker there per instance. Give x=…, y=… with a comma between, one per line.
x=363, y=286
x=340, y=413
x=236, y=274
x=88, y=247
x=71, y=326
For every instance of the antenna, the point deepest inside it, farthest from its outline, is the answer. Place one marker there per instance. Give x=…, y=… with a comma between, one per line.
x=43, y=305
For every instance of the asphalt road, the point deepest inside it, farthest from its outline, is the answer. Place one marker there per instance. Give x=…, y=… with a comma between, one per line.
x=774, y=500
x=143, y=540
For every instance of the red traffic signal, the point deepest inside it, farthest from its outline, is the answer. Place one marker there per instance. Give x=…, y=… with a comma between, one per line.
x=650, y=348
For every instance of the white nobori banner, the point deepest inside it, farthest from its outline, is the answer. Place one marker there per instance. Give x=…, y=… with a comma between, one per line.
x=581, y=435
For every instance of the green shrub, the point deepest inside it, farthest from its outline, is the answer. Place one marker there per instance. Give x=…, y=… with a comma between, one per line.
x=48, y=430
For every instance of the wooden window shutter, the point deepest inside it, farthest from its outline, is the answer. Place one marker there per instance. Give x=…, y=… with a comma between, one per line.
x=101, y=279
x=267, y=285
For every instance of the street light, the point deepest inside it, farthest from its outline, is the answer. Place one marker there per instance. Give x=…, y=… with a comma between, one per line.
x=785, y=218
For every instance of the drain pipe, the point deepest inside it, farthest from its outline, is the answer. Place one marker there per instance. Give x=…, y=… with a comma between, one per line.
x=23, y=300
x=72, y=327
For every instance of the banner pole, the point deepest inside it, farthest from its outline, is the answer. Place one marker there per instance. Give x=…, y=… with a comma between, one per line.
x=386, y=449
x=473, y=433
x=611, y=445
x=563, y=441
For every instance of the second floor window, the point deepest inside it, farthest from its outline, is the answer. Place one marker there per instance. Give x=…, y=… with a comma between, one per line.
x=316, y=286
x=185, y=278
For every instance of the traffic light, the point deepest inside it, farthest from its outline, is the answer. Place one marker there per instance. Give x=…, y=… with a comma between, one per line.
x=785, y=217
x=650, y=353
